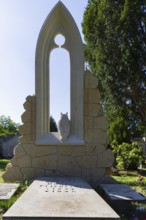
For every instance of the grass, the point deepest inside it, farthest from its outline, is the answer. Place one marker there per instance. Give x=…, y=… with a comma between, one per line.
x=3, y=163
x=137, y=181
x=6, y=204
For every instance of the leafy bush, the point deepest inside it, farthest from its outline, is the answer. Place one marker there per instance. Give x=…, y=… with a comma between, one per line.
x=128, y=156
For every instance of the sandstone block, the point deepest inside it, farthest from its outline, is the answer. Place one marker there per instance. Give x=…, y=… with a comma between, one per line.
x=24, y=161
x=51, y=173
x=87, y=162
x=105, y=159
x=28, y=173
x=94, y=96
x=65, y=150
x=25, y=129
x=39, y=151
x=27, y=106
x=13, y=175
x=14, y=162
x=39, y=172
x=93, y=82
x=29, y=98
x=68, y=165
x=86, y=174
x=86, y=95
x=26, y=140
x=89, y=122
x=26, y=117
x=49, y=162
x=78, y=151
x=19, y=151
x=98, y=174
x=94, y=149
x=101, y=123
x=96, y=135
x=94, y=109
x=86, y=109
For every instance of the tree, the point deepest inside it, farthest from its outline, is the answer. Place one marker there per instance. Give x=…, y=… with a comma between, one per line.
x=115, y=35
x=119, y=131
x=128, y=155
x=8, y=126
x=53, y=126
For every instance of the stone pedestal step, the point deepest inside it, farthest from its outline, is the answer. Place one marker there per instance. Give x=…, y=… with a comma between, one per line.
x=60, y=198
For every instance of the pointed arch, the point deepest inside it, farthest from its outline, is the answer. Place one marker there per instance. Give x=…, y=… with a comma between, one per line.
x=59, y=21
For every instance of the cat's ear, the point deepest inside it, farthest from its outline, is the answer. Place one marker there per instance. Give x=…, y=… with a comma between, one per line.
x=61, y=114
x=66, y=113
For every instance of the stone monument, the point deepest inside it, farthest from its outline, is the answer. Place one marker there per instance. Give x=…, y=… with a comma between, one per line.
x=83, y=153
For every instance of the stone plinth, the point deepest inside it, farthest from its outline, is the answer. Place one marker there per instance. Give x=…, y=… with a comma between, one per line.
x=60, y=198
x=7, y=190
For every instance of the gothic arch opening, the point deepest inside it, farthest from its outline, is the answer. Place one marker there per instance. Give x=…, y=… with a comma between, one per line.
x=59, y=21
x=59, y=80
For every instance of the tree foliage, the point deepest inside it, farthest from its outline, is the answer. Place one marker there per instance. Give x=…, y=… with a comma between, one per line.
x=8, y=126
x=128, y=155
x=115, y=35
x=53, y=125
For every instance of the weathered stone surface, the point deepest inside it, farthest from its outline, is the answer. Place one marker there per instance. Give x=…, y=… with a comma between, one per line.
x=87, y=162
x=86, y=96
x=28, y=173
x=87, y=175
x=25, y=129
x=94, y=96
x=65, y=150
x=39, y=172
x=108, y=159
x=7, y=190
x=117, y=192
x=29, y=98
x=94, y=149
x=26, y=140
x=27, y=106
x=78, y=151
x=94, y=110
x=96, y=135
x=24, y=161
x=98, y=174
x=26, y=117
x=68, y=165
x=48, y=162
x=101, y=123
x=13, y=175
x=39, y=151
x=19, y=151
x=87, y=78
x=93, y=82
x=60, y=198
x=14, y=162
x=50, y=173
x=89, y=122
x=86, y=109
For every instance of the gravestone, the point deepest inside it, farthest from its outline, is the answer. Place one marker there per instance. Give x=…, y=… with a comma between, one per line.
x=121, y=196
x=60, y=198
x=7, y=190
x=84, y=152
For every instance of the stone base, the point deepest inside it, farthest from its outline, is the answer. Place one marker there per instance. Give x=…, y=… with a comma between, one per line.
x=60, y=198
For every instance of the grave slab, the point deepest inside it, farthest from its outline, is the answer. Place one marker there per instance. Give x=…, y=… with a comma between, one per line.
x=122, y=192
x=121, y=196
x=7, y=190
x=60, y=198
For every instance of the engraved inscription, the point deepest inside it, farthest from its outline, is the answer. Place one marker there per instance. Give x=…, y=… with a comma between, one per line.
x=60, y=186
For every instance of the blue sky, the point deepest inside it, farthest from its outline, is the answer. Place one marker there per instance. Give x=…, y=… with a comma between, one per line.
x=20, y=24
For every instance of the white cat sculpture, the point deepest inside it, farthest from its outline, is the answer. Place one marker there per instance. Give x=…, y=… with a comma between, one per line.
x=64, y=126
